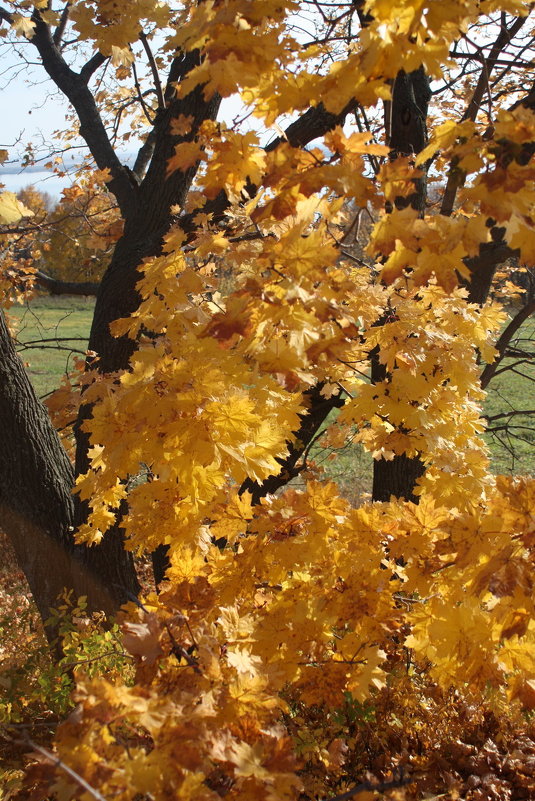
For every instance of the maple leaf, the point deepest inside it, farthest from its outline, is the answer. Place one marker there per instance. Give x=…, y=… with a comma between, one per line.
x=11, y=209
x=23, y=25
x=143, y=639
x=244, y=661
x=186, y=155
x=181, y=125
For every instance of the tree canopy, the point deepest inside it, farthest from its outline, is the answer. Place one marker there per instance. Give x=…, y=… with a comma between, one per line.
x=244, y=314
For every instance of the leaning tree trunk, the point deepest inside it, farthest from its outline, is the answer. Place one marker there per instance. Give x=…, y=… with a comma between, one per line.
x=36, y=505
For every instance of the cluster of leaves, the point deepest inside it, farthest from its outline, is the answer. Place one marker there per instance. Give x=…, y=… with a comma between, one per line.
x=307, y=607
x=75, y=235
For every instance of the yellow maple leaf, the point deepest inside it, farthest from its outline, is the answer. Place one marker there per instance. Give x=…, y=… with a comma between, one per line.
x=143, y=639
x=11, y=209
x=244, y=661
x=23, y=25
x=186, y=155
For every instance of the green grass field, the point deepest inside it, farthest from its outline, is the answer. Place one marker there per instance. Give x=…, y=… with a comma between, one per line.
x=51, y=332
x=63, y=324
x=513, y=446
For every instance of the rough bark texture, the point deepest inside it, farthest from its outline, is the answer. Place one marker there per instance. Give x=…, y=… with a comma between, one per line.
x=36, y=508
x=36, y=501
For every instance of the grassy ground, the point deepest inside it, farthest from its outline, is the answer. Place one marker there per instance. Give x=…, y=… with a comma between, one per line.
x=65, y=322
x=51, y=331
x=512, y=444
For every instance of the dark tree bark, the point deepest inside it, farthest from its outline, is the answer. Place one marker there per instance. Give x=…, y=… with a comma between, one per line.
x=406, y=128
x=396, y=477
x=36, y=506
x=144, y=231
x=36, y=503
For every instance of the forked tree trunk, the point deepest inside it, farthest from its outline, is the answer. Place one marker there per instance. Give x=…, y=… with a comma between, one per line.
x=106, y=573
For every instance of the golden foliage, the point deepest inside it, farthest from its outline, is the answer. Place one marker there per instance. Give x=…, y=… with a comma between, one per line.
x=307, y=605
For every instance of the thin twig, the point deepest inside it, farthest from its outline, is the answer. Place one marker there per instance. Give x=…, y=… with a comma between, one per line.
x=58, y=763
x=154, y=69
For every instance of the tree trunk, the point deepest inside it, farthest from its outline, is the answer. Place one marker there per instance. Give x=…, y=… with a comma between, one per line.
x=394, y=477
x=144, y=231
x=36, y=506
x=406, y=130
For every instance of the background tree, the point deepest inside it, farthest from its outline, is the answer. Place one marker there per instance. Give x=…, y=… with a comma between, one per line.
x=79, y=235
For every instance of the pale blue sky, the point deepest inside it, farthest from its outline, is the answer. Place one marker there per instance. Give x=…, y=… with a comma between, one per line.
x=30, y=111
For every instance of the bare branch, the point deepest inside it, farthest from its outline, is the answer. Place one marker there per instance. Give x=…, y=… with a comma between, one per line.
x=56, y=287
x=5, y=15
x=144, y=106
x=455, y=178
x=60, y=30
x=512, y=413
x=92, y=66
x=92, y=128
x=154, y=69
x=504, y=340
x=58, y=763
x=504, y=37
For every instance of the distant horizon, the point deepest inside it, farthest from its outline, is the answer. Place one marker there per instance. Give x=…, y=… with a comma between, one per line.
x=16, y=177
x=16, y=167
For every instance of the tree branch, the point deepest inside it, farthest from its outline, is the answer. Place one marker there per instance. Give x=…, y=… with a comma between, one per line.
x=92, y=66
x=154, y=69
x=60, y=30
x=455, y=178
x=511, y=413
x=504, y=340
x=313, y=123
x=502, y=40
x=92, y=129
x=312, y=419
x=55, y=287
x=5, y=15
x=140, y=97
x=58, y=763
x=144, y=155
